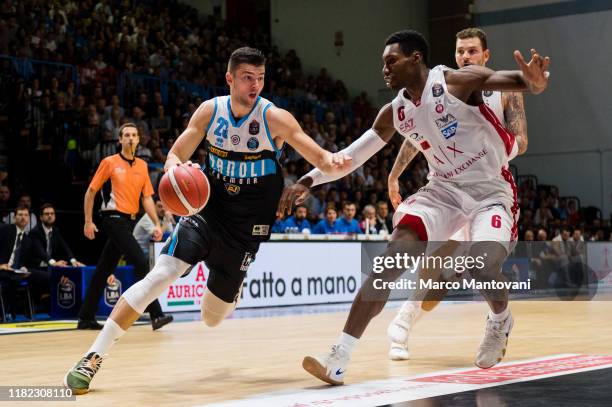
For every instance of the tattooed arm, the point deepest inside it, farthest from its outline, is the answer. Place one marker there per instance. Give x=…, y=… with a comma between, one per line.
x=406, y=154
x=514, y=115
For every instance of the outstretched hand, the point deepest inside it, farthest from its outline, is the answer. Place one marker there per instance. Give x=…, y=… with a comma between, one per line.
x=535, y=71
x=294, y=194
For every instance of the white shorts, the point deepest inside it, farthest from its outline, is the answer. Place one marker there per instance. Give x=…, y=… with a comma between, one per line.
x=487, y=211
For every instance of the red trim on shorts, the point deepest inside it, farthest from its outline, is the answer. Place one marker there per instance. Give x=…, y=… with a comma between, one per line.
x=507, y=138
x=416, y=224
x=505, y=172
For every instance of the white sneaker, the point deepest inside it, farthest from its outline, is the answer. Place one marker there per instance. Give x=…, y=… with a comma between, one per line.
x=399, y=351
x=400, y=327
x=493, y=346
x=330, y=368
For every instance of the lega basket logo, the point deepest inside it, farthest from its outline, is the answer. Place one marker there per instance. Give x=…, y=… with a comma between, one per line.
x=65, y=293
x=487, y=93
x=254, y=127
x=112, y=293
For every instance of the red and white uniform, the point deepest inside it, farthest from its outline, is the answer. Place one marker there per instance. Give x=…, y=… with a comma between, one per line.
x=467, y=150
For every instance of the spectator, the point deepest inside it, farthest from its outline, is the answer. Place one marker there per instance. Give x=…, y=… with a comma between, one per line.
x=347, y=223
x=5, y=196
x=384, y=220
x=542, y=235
x=25, y=200
x=161, y=122
x=328, y=225
x=368, y=224
x=298, y=220
x=50, y=247
x=15, y=244
x=143, y=231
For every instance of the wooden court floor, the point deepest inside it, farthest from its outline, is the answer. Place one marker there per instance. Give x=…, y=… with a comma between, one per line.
x=188, y=364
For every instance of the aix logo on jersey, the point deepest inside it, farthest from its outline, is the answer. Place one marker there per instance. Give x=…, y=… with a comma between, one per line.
x=447, y=125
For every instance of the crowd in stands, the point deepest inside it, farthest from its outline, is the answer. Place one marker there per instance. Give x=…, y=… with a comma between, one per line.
x=73, y=124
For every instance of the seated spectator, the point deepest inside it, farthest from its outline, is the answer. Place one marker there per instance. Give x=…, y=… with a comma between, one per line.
x=5, y=196
x=277, y=226
x=347, y=223
x=15, y=244
x=143, y=231
x=25, y=200
x=49, y=247
x=384, y=220
x=368, y=224
x=328, y=225
x=298, y=220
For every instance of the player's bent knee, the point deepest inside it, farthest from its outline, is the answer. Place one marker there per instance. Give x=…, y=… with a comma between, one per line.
x=214, y=309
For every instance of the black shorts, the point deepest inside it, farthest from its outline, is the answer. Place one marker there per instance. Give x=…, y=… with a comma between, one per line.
x=196, y=240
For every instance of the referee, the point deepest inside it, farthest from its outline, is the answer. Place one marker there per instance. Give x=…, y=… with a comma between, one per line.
x=129, y=179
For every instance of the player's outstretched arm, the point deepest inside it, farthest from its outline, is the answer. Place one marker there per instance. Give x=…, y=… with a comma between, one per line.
x=514, y=116
x=284, y=126
x=404, y=157
x=190, y=139
x=360, y=150
x=532, y=77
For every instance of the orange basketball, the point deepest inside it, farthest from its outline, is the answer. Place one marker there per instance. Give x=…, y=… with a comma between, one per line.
x=184, y=190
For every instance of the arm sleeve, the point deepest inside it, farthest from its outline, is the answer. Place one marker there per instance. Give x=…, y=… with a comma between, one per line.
x=102, y=174
x=360, y=151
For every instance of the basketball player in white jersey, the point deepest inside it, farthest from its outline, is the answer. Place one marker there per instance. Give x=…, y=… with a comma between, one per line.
x=470, y=49
x=243, y=134
x=441, y=112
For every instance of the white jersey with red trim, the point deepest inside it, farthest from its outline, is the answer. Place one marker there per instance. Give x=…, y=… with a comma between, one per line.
x=493, y=100
x=461, y=143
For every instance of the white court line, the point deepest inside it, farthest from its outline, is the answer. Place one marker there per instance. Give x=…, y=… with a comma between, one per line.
x=409, y=388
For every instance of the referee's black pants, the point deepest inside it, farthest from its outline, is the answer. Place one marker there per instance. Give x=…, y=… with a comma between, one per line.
x=120, y=241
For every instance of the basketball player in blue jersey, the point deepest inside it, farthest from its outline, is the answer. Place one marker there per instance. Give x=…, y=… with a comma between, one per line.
x=442, y=113
x=244, y=135
x=470, y=49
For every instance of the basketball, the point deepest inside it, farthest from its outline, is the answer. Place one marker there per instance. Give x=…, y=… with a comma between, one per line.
x=184, y=190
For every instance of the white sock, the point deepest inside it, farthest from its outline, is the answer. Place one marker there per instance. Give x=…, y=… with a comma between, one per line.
x=106, y=338
x=501, y=316
x=348, y=342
